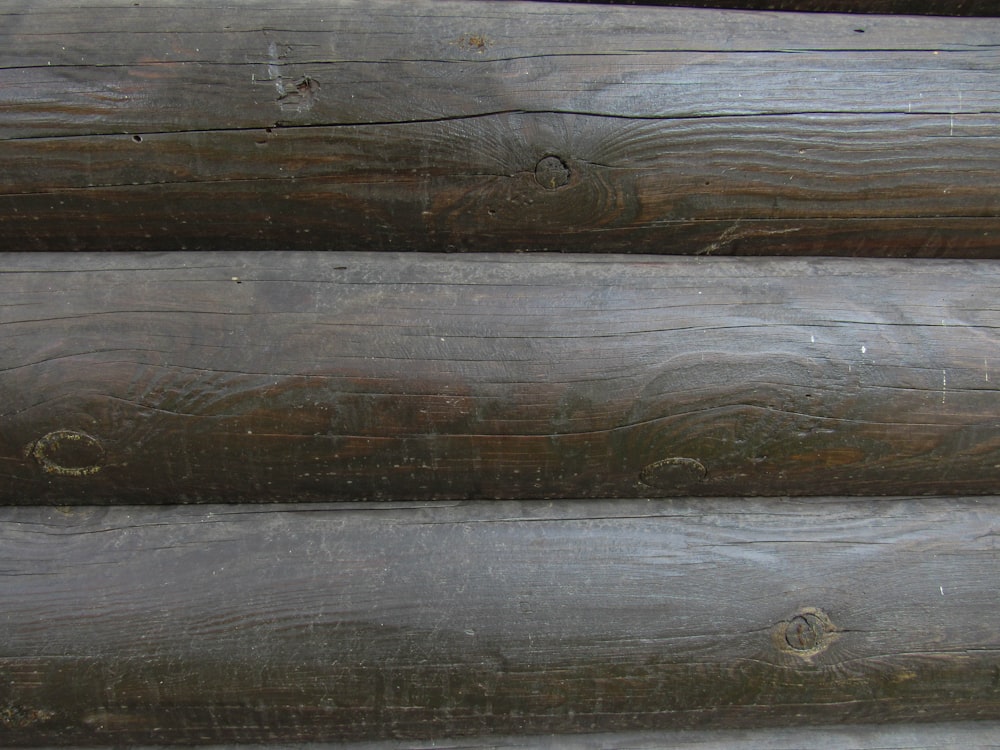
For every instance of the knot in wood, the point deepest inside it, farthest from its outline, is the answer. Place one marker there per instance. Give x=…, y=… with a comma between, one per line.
x=668, y=473
x=807, y=633
x=68, y=453
x=551, y=172
x=22, y=717
x=803, y=632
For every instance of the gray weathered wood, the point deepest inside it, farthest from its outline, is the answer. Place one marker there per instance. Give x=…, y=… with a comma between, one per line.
x=496, y=126
x=272, y=624
x=938, y=736
x=292, y=376
x=949, y=735
x=987, y=8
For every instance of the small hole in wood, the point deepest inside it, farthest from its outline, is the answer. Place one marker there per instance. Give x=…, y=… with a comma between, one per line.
x=137, y=138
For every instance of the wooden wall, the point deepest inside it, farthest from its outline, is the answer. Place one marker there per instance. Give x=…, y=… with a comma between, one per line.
x=653, y=499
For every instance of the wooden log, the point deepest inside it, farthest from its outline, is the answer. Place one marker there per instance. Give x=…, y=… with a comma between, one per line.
x=424, y=125
x=270, y=624
x=343, y=376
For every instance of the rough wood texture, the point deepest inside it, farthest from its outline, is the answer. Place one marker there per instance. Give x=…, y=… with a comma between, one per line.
x=423, y=125
x=328, y=376
x=944, y=736
x=987, y=8
x=266, y=624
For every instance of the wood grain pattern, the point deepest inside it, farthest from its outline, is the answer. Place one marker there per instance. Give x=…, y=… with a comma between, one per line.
x=271, y=624
x=437, y=126
x=986, y=8
x=295, y=376
x=983, y=735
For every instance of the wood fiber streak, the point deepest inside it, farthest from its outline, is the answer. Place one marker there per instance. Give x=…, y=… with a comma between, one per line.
x=987, y=8
x=983, y=735
x=313, y=376
x=421, y=126
x=249, y=623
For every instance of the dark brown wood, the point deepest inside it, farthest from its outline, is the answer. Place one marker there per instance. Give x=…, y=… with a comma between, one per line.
x=271, y=624
x=328, y=376
x=470, y=126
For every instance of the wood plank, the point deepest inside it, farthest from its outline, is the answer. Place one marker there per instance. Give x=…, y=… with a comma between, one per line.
x=499, y=126
x=318, y=376
x=321, y=623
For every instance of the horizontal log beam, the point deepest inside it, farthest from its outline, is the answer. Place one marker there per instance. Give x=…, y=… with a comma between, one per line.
x=461, y=125
x=272, y=624
x=296, y=376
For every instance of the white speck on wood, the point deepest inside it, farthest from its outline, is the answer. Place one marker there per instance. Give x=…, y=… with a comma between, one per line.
x=273, y=69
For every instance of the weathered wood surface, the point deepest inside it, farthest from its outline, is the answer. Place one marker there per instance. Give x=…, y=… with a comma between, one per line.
x=423, y=125
x=347, y=376
x=988, y=8
x=269, y=624
x=943, y=736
